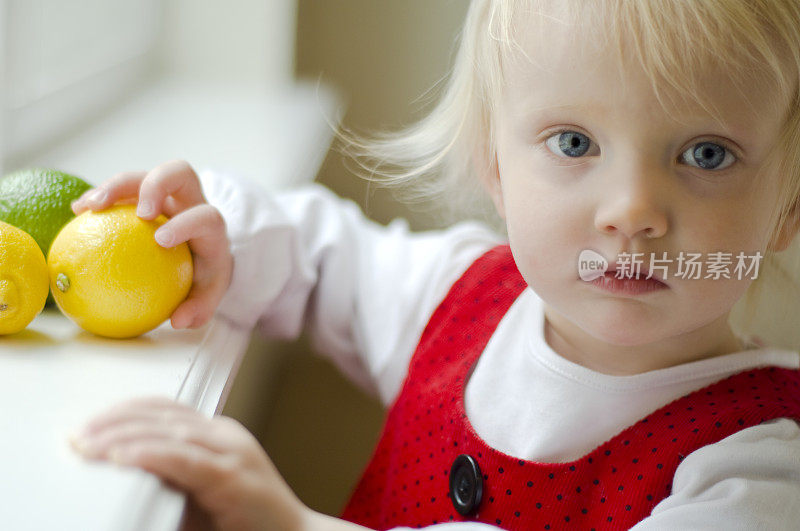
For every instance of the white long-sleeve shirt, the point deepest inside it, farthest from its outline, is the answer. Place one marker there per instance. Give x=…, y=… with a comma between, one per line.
x=306, y=259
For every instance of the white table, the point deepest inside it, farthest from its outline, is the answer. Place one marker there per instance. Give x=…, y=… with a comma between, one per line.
x=54, y=376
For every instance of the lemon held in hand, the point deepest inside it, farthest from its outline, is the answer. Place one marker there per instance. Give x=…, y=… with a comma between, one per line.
x=23, y=279
x=108, y=274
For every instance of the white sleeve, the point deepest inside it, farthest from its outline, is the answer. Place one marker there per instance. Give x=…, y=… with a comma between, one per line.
x=308, y=259
x=749, y=480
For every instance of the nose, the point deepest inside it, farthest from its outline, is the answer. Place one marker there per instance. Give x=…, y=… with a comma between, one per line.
x=632, y=204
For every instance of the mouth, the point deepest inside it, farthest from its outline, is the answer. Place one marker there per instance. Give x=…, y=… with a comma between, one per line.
x=634, y=285
x=626, y=272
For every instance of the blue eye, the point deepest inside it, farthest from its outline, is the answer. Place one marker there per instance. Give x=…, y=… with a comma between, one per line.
x=569, y=143
x=708, y=156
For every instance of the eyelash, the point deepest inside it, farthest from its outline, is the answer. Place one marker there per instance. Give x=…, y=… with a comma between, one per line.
x=725, y=145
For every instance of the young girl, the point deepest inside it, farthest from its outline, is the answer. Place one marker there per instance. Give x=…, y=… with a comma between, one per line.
x=520, y=395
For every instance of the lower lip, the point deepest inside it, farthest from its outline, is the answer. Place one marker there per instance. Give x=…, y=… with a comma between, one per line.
x=628, y=286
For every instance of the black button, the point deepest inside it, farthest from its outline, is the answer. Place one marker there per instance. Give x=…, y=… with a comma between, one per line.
x=466, y=484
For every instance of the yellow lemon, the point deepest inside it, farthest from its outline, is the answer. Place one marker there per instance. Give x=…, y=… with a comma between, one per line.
x=23, y=279
x=108, y=274
x=37, y=200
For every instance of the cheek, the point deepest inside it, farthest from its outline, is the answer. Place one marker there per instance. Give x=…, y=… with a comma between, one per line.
x=739, y=222
x=544, y=231
x=726, y=229
x=546, y=217
x=730, y=230
x=707, y=299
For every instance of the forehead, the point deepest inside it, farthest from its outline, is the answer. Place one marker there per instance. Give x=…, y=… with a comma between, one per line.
x=562, y=60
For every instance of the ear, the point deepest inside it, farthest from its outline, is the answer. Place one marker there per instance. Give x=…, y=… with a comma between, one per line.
x=489, y=172
x=781, y=241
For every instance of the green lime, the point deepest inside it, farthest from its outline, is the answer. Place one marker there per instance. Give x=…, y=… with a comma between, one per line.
x=38, y=201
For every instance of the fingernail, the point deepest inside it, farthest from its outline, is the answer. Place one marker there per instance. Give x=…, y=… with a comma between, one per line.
x=145, y=208
x=75, y=441
x=82, y=446
x=119, y=456
x=164, y=237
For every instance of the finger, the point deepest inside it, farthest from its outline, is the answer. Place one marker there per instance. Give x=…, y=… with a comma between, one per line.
x=199, y=306
x=208, y=288
x=170, y=206
x=189, y=467
x=202, y=226
x=121, y=187
x=176, y=179
x=198, y=431
x=110, y=420
x=98, y=444
x=160, y=408
x=204, y=229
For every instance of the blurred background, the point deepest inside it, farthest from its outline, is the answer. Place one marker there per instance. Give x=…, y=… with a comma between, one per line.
x=94, y=87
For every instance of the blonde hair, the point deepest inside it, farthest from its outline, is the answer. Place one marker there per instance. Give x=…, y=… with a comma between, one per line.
x=444, y=154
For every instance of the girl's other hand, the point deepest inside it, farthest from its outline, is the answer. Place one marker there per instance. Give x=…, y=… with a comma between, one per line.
x=231, y=482
x=173, y=189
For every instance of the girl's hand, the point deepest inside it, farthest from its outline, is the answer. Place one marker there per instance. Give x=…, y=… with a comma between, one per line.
x=231, y=482
x=174, y=189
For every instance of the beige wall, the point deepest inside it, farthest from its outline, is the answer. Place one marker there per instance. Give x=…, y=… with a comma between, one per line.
x=382, y=56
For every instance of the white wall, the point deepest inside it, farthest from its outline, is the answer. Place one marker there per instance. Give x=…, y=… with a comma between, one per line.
x=63, y=63
x=245, y=40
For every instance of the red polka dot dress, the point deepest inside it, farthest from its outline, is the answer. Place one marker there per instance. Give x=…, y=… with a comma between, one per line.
x=430, y=466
